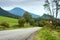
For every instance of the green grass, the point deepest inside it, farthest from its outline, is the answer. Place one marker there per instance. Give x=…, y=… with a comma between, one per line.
x=47, y=34
x=9, y=20
x=13, y=23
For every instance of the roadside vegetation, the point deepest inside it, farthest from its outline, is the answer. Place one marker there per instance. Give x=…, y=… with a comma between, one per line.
x=50, y=31
x=27, y=21
x=47, y=34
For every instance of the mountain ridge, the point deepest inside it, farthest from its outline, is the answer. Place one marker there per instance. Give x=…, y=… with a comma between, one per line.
x=20, y=12
x=7, y=14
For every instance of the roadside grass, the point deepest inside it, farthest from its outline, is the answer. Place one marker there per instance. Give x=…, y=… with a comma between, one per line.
x=47, y=34
x=15, y=28
x=11, y=27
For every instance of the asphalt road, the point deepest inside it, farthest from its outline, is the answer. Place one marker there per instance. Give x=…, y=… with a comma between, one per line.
x=18, y=34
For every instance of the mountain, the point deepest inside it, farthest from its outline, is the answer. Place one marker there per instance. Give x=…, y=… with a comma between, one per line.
x=7, y=14
x=46, y=16
x=20, y=12
x=17, y=11
x=34, y=16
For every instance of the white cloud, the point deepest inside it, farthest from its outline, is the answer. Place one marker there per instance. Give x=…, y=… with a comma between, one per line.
x=33, y=6
x=17, y=0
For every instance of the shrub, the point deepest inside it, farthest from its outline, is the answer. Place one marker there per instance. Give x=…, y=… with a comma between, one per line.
x=5, y=24
x=21, y=22
x=27, y=25
x=41, y=23
x=15, y=26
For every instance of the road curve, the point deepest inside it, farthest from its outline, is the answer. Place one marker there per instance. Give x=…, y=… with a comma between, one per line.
x=17, y=34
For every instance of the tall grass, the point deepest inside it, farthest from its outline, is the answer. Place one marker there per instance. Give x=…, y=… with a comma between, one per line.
x=45, y=34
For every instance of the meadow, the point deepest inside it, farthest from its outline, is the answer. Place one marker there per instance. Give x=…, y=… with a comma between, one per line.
x=11, y=21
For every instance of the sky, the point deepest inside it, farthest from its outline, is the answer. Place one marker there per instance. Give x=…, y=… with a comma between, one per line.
x=33, y=6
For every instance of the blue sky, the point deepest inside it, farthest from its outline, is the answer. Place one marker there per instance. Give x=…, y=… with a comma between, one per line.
x=33, y=6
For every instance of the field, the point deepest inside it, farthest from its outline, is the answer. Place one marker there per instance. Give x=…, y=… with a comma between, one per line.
x=11, y=21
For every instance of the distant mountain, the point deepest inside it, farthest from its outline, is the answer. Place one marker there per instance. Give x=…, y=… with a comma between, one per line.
x=20, y=12
x=17, y=11
x=46, y=16
x=7, y=14
x=34, y=16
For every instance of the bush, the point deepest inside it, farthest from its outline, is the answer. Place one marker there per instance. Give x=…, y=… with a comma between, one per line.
x=27, y=25
x=5, y=24
x=21, y=21
x=15, y=26
x=41, y=23
x=56, y=22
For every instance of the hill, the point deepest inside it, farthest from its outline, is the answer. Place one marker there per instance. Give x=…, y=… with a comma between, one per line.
x=46, y=16
x=7, y=14
x=9, y=20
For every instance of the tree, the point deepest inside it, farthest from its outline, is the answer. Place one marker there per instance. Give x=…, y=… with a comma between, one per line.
x=47, y=6
x=21, y=21
x=27, y=16
x=50, y=4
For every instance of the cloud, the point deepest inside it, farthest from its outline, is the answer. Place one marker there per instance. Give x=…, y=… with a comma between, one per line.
x=7, y=3
x=33, y=6
x=17, y=0
x=12, y=3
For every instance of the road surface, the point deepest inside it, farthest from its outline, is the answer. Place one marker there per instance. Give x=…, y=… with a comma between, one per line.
x=17, y=34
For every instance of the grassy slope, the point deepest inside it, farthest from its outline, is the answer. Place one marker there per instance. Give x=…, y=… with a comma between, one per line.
x=9, y=20
x=13, y=22
x=46, y=34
